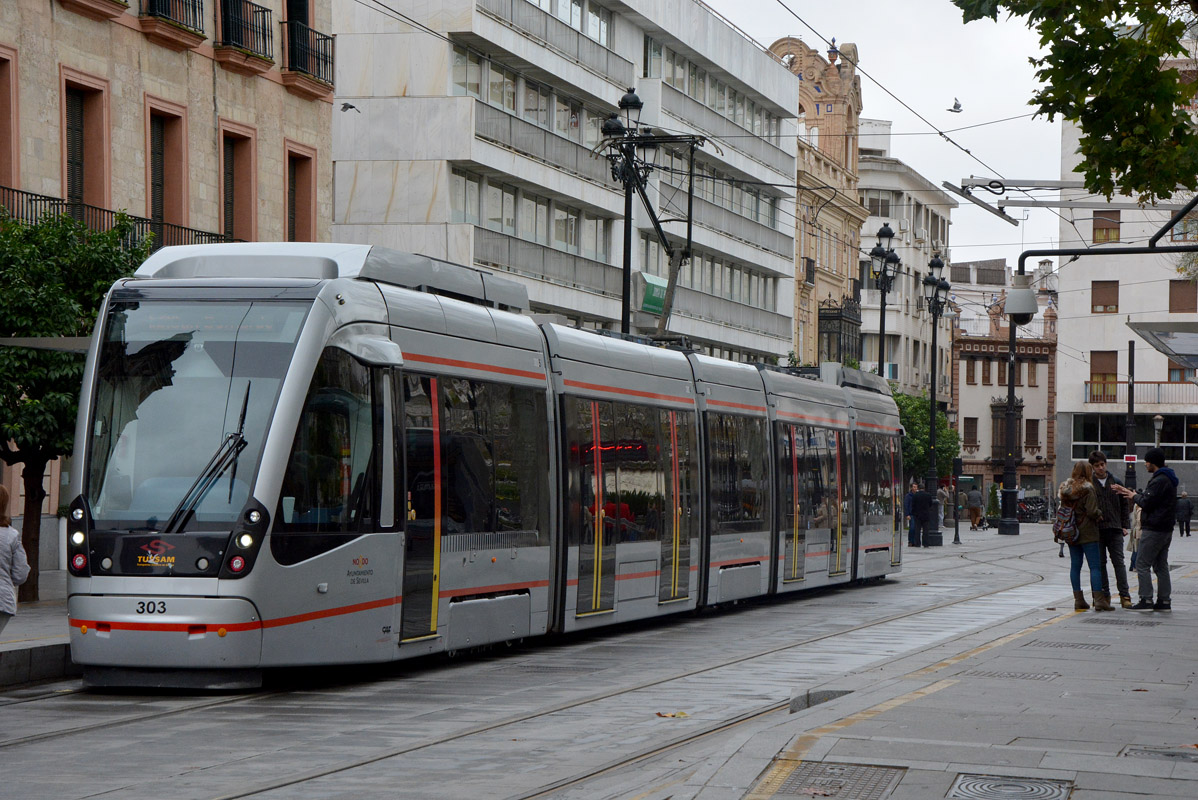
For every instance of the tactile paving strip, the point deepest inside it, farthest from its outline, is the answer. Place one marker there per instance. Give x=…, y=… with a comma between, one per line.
x=841, y=781
x=1076, y=645
x=994, y=787
x=1143, y=623
x=1019, y=676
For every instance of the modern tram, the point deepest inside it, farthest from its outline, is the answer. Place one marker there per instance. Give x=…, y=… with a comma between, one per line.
x=314, y=454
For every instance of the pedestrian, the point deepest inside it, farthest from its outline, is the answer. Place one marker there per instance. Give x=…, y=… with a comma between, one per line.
x=1185, y=508
x=14, y=566
x=1159, y=504
x=908, y=498
x=973, y=500
x=942, y=496
x=1078, y=493
x=1116, y=521
x=923, y=512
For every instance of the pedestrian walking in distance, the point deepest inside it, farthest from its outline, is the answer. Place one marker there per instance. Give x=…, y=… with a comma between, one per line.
x=1158, y=502
x=943, y=497
x=1185, y=508
x=974, y=499
x=14, y=566
x=923, y=513
x=1116, y=521
x=1078, y=493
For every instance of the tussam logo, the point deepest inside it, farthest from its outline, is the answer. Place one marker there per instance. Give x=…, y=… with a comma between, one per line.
x=156, y=554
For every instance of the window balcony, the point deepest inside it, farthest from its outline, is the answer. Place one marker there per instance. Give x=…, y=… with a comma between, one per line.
x=1147, y=392
x=496, y=125
x=729, y=223
x=727, y=133
x=244, y=43
x=573, y=44
x=99, y=10
x=308, y=61
x=174, y=24
x=547, y=263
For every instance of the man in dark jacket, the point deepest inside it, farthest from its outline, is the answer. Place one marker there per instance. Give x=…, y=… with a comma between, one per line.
x=1185, y=510
x=1158, y=507
x=1116, y=519
x=923, y=513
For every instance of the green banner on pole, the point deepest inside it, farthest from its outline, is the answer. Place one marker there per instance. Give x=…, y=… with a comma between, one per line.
x=654, y=299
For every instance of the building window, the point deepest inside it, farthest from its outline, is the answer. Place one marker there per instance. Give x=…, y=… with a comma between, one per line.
x=970, y=433
x=565, y=228
x=9, y=161
x=1032, y=369
x=1104, y=297
x=1183, y=297
x=1106, y=226
x=1186, y=230
x=1103, y=376
x=463, y=197
x=652, y=58
x=502, y=90
x=467, y=72
x=1031, y=436
x=877, y=201
x=536, y=104
x=1178, y=373
x=85, y=150
x=599, y=24
x=1002, y=372
x=166, y=166
x=301, y=192
x=985, y=372
x=1018, y=373
x=970, y=368
x=239, y=190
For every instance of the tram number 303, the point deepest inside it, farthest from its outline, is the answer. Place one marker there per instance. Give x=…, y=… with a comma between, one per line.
x=151, y=607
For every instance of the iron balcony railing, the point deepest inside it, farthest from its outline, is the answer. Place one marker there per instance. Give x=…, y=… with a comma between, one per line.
x=247, y=26
x=1149, y=392
x=309, y=52
x=30, y=208
x=188, y=13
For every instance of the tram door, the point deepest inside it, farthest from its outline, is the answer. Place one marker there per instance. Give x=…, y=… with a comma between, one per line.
x=793, y=528
x=423, y=492
x=601, y=511
x=676, y=446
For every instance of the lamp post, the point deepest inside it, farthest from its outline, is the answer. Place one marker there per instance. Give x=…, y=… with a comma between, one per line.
x=884, y=267
x=1020, y=307
x=1158, y=422
x=935, y=291
x=625, y=172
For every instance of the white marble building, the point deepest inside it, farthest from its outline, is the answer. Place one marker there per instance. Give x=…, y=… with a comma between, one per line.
x=918, y=213
x=474, y=141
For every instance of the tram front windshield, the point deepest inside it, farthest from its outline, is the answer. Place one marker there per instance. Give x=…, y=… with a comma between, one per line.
x=184, y=394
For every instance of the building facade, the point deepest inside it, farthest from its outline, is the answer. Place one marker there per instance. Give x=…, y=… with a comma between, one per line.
x=479, y=141
x=919, y=214
x=829, y=215
x=1099, y=294
x=203, y=120
x=981, y=348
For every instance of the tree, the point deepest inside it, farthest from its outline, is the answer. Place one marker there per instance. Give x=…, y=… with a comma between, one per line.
x=913, y=415
x=55, y=274
x=1106, y=71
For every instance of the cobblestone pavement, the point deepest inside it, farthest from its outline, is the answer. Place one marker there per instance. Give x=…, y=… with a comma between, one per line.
x=967, y=673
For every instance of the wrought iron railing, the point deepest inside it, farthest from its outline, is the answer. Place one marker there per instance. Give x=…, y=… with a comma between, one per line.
x=27, y=206
x=188, y=13
x=246, y=25
x=309, y=52
x=167, y=234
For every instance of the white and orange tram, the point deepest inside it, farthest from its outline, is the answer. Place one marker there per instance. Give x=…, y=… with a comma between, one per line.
x=305, y=454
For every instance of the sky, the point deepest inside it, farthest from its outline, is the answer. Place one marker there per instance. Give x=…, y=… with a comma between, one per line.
x=923, y=53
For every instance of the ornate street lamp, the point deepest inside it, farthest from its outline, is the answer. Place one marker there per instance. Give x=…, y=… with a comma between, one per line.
x=935, y=291
x=884, y=267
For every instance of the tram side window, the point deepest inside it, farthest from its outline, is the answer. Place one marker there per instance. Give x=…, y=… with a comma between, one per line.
x=329, y=493
x=739, y=472
x=817, y=465
x=895, y=446
x=873, y=478
x=844, y=467
x=520, y=424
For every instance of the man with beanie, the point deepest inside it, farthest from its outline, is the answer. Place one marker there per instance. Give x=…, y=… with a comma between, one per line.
x=1158, y=504
x=1116, y=520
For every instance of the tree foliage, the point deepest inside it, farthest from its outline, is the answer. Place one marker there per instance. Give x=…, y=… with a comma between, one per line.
x=55, y=274
x=1104, y=70
x=914, y=417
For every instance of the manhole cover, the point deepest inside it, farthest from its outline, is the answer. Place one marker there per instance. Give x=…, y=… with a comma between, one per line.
x=994, y=787
x=1143, y=623
x=1019, y=676
x=1075, y=645
x=842, y=781
x=1168, y=755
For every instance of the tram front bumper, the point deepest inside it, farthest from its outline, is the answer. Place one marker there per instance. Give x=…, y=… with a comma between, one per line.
x=164, y=632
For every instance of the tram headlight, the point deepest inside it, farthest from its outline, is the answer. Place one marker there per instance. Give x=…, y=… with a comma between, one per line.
x=245, y=541
x=79, y=561
x=255, y=516
x=77, y=538
x=106, y=564
x=77, y=514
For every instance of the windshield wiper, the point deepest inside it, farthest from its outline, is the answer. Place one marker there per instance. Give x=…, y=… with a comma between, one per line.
x=224, y=457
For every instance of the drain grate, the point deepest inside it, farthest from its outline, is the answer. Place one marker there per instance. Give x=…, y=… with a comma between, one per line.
x=1019, y=676
x=1143, y=623
x=994, y=787
x=1161, y=753
x=842, y=781
x=1074, y=645
x=1178, y=591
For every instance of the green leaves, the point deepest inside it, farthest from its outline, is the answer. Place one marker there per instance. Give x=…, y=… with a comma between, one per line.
x=914, y=415
x=55, y=275
x=1108, y=70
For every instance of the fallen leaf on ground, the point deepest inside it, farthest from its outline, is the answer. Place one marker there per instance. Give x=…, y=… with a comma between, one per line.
x=673, y=714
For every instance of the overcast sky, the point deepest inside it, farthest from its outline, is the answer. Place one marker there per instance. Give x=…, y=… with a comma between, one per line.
x=922, y=52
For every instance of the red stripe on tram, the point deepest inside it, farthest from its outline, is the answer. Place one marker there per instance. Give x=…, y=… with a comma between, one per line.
x=453, y=362
x=594, y=387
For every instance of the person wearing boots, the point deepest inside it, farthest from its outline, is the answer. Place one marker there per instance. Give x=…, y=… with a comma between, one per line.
x=1159, y=504
x=1116, y=519
x=1078, y=493
x=1185, y=508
